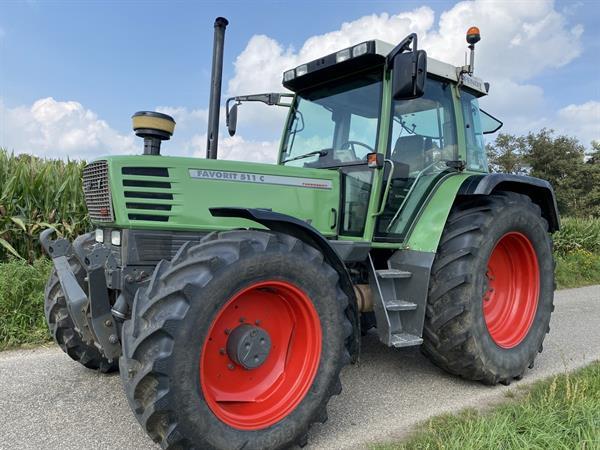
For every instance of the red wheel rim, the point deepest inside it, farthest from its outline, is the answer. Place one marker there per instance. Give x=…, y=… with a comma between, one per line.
x=510, y=303
x=252, y=399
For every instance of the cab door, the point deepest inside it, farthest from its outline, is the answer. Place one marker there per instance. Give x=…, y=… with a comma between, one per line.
x=422, y=145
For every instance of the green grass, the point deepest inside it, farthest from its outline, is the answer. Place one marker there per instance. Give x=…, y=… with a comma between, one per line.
x=577, y=268
x=560, y=413
x=22, y=303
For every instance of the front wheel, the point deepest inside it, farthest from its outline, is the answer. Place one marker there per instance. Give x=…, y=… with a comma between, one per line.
x=63, y=329
x=236, y=343
x=492, y=289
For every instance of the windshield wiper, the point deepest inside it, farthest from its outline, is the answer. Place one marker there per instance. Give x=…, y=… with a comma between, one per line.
x=322, y=152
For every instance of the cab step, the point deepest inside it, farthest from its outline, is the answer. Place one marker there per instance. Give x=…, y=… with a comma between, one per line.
x=405, y=340
x=400, y=305
x=393, y=273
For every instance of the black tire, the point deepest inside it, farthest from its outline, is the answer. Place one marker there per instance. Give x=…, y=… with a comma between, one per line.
x=63, y=329
x=162, y=343
x=456, y=337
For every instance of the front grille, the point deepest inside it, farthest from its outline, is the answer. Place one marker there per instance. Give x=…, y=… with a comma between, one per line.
x=97, y=192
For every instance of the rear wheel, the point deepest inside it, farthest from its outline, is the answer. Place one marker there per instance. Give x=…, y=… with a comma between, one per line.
x=236, y=343
x=492, y=289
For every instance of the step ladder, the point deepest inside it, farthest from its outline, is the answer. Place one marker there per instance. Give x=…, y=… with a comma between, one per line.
x=394, y=313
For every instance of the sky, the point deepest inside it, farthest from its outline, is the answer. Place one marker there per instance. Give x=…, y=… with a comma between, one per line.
x=72, y=73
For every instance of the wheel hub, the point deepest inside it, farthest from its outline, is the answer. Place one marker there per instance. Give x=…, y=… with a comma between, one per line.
x=248, y=346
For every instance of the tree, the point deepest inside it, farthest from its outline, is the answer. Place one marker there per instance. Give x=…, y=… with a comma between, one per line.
x=559, y=159
x=506, y=153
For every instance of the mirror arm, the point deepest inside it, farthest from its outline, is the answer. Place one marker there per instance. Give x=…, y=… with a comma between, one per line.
x=403, y=46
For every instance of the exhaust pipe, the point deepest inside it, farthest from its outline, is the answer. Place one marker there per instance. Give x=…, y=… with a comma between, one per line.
x=215, y=88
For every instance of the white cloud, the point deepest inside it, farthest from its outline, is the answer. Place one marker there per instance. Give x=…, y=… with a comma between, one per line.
x=520, y=40
x=59, y=129
x=189, y=140
x=581, y=120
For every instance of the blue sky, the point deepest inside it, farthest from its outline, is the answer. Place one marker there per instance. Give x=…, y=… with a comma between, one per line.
x=102, y=61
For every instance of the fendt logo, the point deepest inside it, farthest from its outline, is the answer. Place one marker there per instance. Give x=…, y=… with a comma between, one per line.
x=90, y=185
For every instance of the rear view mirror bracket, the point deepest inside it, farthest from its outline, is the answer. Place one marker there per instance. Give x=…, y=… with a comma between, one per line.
x=272, y=98
x=409, y=67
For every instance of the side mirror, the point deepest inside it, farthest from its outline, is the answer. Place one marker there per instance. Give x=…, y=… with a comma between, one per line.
x=231, y=119
x=409, y=75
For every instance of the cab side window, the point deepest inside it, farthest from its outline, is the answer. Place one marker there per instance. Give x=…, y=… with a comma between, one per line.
x=423, y=130
x=476, y=156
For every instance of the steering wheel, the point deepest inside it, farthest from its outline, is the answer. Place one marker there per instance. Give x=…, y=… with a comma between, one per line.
x=351, y=144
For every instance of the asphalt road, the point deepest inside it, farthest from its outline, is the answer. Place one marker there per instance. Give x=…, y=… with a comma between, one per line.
x=48, y=401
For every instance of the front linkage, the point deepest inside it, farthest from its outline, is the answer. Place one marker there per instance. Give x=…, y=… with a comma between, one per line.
x=91, y=312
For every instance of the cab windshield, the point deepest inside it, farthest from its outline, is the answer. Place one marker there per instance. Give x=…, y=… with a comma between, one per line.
x=334, y=125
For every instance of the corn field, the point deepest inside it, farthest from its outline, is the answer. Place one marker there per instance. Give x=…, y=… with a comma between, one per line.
x=36, y=194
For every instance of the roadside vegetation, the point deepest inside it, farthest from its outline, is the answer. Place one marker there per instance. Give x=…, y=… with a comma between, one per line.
x=577, y=253
x=562, y=412
x=22, y=303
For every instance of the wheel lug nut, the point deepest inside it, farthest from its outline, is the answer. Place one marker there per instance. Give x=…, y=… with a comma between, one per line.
x=242, y=319
x=257, y=322
x=230, y=366
x=222, y=351
x=227, y=331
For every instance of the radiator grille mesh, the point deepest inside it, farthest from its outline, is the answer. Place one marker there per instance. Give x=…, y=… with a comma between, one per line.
x=97, y=192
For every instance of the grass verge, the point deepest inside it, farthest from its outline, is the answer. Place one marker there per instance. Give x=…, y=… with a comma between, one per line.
x=560, y=413
x=22, y=303
x=577, y=268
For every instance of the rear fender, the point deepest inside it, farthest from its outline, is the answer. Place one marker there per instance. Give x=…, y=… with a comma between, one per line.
x=540, y=191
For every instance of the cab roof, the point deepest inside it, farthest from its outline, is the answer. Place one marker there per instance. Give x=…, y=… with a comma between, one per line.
x=372, y=54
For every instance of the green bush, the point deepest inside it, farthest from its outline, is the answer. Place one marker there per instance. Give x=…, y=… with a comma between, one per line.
x=22, y=302
x=577, y=268
x=577, y=234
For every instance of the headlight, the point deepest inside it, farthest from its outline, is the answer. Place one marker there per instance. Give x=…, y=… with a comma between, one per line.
x=99, y=235
x=301, y=70
x=359, y=49
x=115, y=237
x=289, y=75
x=342, y=55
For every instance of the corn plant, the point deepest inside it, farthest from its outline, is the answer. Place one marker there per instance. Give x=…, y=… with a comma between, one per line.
x=36, y=194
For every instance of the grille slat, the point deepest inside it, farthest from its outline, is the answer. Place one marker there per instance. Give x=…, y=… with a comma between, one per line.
x=148, y=188
x=97, y=192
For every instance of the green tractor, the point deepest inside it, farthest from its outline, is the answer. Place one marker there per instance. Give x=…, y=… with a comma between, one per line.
x=231, y=294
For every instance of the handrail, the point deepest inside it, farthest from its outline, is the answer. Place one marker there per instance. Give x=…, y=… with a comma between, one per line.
x=387, y=188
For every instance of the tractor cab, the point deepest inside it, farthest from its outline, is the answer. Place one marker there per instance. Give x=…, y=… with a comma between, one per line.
x=420, y=114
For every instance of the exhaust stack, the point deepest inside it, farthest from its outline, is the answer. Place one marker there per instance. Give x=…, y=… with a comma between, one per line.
x=212, y=141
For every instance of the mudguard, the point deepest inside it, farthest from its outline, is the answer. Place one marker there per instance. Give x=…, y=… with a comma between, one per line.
x=540, y=191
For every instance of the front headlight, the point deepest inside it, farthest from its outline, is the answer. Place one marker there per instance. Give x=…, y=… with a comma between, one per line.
x=99, y=235
x=115, y=237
